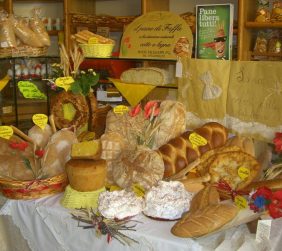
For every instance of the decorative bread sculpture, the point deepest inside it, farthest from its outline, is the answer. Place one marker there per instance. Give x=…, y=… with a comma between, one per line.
x=179, y=152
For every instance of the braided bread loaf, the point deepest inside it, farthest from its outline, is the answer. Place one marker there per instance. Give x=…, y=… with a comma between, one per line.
x=179, y=152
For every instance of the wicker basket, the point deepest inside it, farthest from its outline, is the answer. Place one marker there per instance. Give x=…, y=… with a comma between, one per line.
x=16, y=189
x=97, y=50
x=24, y=51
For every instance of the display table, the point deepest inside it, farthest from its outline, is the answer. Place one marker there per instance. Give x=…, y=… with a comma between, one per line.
x=46, y=225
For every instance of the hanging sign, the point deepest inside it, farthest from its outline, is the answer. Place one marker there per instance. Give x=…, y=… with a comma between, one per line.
x=156, y=35
x=40, y=120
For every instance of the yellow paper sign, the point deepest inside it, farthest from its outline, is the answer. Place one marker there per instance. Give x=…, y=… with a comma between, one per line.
x=40, y=120
x=243, y=172
x=93, y=40
x=138, y=190
x=114, y=188
x=64, y=82
x=4, y=81
x=241, y=202
x=121, y=109
x=30, y=90
x=197, y=140
x=6, y=132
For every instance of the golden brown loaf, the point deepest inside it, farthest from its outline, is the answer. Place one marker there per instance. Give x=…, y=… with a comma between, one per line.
x=86, y=175
x=246, y=144
x=179, y=152
x=204, y=221
x=207, y=196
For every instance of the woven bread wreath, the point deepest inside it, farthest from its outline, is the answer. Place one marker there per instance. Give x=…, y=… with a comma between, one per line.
x=80, y=105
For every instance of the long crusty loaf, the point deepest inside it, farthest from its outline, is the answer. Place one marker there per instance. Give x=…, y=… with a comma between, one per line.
x=179, y=152
x=201, y=222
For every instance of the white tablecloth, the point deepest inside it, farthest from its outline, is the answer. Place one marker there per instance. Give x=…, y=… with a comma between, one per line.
x=46, y=225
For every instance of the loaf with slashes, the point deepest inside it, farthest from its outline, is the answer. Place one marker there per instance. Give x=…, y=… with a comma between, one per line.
x=180, y=151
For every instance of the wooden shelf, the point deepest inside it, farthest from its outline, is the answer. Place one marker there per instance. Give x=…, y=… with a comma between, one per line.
x=54, y=32
x=266, y=54
x=257, y=25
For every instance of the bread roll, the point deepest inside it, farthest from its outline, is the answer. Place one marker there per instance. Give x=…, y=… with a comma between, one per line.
x=86, y=175
x=145, y=75
x=205, y=221
x=179, y=152
x=246, y=144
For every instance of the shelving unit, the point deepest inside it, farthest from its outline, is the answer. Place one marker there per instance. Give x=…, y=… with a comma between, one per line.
x=247, y=28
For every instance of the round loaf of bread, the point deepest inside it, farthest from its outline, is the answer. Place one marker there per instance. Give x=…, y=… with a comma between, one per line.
x=86, y=175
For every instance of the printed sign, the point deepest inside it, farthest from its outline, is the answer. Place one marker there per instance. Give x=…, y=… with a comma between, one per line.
x=40, y=120
x=30, y=90
x=154, y=35
x=6, y=132
x=64, y=82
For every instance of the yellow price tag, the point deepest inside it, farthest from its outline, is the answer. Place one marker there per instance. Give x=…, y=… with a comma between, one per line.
x=40, y=120
x=240, y=202
x=93, y=40
x=114, y=188
x=138, y=190
x=30, y=90
x=4, y=81
x=64, y=82
x=121, y=109
x=197, y=140
x=6, y=132
x=243, y=172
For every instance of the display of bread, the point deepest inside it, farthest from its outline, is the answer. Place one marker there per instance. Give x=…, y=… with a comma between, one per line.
x=86, y=175
x=84, y=36
x=86, y=150
x=180, y=151
x=145, y=75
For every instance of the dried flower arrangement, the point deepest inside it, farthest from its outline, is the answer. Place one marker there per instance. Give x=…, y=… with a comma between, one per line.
x=103, y=226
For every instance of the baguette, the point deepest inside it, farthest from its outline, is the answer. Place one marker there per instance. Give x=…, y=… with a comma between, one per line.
x=201, y=222
x=179, y=152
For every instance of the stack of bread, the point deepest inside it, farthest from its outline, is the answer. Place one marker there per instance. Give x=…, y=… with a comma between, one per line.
x=86, y=173
x=86, y=36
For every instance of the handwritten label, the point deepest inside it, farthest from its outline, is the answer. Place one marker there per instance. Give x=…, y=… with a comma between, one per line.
x=6, y=132
x=64, y=82
x=40, y=120
x=197, y=140
x=243, y=172
x=121, y=109
x=241, y=202
x=138, y=190
x=30, y=90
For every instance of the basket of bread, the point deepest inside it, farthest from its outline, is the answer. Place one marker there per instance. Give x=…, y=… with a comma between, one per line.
x=23, y=37
x=32, y=165
x=94, y=45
